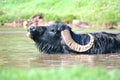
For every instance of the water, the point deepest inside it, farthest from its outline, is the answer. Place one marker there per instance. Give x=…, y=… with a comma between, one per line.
x=29, y=60
x=16, y=50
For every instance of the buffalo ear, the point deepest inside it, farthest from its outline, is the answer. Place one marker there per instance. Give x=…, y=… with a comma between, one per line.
x=41, y=29
x=63, y=26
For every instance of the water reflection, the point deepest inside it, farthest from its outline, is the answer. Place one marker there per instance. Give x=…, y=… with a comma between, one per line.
x=106, y=61
x=56, y=60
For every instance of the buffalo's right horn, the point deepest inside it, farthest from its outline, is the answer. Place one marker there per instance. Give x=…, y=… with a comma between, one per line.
x=66, y=36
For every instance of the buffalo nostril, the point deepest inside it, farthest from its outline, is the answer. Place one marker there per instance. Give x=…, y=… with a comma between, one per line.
x=32, y=28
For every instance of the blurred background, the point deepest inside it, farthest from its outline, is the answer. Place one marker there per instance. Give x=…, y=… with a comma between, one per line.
x=92, y=13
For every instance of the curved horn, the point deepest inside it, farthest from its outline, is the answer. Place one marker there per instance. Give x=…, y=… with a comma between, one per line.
x=75, y=46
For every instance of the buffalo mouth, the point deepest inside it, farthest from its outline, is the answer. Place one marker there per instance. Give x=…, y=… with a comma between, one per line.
x=66, y=36
x=33, y=31
x=30, y=30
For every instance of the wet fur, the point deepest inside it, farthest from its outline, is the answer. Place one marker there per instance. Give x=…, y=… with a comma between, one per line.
x=48, y=40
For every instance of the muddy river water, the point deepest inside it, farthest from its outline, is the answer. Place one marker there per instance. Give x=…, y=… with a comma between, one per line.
x=16, y=51
x=57, y=60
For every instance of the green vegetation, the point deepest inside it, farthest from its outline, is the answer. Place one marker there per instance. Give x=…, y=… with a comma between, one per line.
x=92, y=11
x=72, y=73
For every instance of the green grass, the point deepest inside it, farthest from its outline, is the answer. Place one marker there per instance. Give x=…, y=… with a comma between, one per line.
x=95, y=12
x=72, y=73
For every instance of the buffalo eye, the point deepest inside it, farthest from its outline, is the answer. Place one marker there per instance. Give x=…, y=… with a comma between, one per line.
x=53, y=30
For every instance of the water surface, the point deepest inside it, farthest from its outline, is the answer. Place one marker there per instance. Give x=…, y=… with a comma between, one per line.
x=17, y=50
x=30, y=60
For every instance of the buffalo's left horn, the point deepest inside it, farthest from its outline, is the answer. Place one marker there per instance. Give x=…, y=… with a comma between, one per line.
x=66, y=36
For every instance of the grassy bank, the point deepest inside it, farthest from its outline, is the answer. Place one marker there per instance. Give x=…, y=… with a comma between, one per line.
x=73, y=73
x=92, y=11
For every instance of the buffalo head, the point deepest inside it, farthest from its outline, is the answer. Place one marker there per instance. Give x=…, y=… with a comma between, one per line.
x=53, y=38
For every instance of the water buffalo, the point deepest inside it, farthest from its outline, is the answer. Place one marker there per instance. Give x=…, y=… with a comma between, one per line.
x=59, y=38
